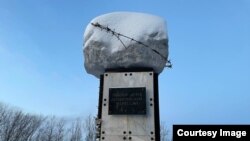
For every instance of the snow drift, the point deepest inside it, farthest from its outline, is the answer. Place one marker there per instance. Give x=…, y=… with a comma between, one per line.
x=125, y=40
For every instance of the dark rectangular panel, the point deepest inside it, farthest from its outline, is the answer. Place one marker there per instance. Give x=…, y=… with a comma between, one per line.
x=127, y=101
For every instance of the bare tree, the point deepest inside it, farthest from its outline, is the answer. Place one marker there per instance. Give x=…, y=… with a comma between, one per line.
x=52, y=129
x=164, y=131
x=75, y=131
x=3, y=117
x=16, y=125
x=60, y=130
x=89, y=128
x=26, y=126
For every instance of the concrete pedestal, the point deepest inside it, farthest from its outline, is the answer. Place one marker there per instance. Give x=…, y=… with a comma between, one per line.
x=128, y=107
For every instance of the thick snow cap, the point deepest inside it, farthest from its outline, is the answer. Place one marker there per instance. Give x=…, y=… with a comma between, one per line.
x=125, y=40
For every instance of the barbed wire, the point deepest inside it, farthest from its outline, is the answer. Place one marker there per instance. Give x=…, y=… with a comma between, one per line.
x=118, y=35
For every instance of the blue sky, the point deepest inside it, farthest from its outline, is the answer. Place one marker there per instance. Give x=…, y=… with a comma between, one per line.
x=41, y=61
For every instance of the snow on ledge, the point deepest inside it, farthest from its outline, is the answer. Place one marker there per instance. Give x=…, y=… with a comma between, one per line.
x=125, y=40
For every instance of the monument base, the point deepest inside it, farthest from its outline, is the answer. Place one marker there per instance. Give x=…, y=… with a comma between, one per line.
x=128, y=106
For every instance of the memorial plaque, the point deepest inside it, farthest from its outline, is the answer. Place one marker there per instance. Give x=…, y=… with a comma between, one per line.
x=127, y=101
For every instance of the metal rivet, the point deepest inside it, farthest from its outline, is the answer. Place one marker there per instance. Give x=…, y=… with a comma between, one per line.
x=150, y=73
x=105, y=99
x=124, y=138
x=103, y=138
x=124, y=132
x=103, y=132
x=152, y=138
x=106, y=74
x=152, y=132
x=130, y=138
x=130, y=132
x=130, y=74
x=126, y=74
x=151, y=104
x=151, y=99
x=104, y=104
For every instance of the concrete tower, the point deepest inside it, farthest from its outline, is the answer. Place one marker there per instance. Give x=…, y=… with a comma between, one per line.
x=127, y=51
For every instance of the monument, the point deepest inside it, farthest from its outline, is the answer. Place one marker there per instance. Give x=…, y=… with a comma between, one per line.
x=127, y=51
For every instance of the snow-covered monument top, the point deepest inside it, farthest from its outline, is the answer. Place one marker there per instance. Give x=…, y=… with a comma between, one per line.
x=125, y=40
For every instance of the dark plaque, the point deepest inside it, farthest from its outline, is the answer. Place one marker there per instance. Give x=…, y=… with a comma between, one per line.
x=127, y=101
